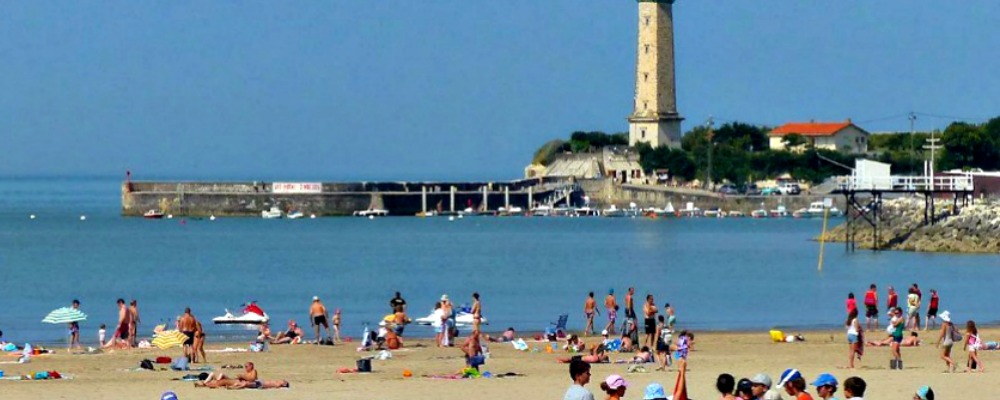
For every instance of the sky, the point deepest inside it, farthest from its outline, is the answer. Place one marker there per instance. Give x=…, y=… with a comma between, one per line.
x=448, y=89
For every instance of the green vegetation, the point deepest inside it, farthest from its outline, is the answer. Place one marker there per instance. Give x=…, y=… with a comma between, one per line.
x=740, y=152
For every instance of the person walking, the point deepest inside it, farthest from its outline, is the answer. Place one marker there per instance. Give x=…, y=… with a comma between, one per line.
x=611, y=305
x=187, y=325
x=946, y=340
x=972, y=344
x=589, y=310
x=855, y=339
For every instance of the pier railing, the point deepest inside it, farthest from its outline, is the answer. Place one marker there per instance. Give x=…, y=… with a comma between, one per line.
x=898, y=183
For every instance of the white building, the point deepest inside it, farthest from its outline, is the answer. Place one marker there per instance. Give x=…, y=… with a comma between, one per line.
x=844, y=137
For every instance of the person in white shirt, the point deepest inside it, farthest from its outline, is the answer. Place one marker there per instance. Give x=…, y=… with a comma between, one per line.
x=579, y=371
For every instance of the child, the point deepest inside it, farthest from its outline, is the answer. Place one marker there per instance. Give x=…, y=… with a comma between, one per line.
x=336, y=326
x=972, y=345
x=100, y=334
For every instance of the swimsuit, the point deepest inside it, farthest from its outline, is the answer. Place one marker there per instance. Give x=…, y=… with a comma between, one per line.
x=650, y=326
x=612, y=314
x=190, y=338
x=320, y=320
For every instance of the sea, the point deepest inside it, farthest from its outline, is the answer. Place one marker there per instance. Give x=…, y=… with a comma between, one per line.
x=719, y=274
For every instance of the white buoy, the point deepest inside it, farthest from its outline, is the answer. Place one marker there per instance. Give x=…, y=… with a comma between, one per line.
x=32, y=216
x=451, y=218
x=83, y=218
x=211, y=218
x=312, y=216
x=459, y=216
x=170, y=216
x=371, y=217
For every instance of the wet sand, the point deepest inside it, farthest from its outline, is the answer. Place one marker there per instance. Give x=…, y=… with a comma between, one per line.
x=312, y=371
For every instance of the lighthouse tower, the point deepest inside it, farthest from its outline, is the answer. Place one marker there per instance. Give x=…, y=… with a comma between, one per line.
x=654, y=118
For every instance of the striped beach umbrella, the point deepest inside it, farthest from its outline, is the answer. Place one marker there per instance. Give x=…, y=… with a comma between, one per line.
x=65, y=315
x=167, y=339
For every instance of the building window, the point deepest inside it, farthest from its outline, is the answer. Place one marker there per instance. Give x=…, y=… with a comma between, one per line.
x=647, y=49
x=645, y=76
x=643, y=132
x=646, y=20
x=645, y=105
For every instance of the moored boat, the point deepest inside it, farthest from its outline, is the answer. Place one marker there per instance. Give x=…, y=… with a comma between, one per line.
x=153, y=214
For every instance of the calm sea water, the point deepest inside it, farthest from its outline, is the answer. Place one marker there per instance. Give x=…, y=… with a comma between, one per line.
x=719, y=274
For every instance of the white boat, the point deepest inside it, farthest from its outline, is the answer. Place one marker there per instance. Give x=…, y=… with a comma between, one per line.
x=736, y=214
x=714, y=213
x=542, y=211
x=295, y=215
x=371, y=213
x=780, y=212
x=613, y=212
x=273, y=213
x=816, y=209
x=586, y=211
x=469, y=212
x=761, y=213
x=252, y=314
x=153, y=214
x=510, y=211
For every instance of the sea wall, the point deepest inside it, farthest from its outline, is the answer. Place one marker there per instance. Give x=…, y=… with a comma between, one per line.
x=604, y=193
x=971, y=229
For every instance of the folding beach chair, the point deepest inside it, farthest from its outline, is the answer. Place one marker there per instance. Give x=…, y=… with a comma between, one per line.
x=560, y=325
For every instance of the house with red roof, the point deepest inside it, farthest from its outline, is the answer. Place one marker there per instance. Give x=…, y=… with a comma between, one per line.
x=844, y=137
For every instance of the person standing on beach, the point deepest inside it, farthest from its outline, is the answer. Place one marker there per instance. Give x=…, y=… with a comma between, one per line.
x=972, y=345
x=794, y=384
x=762, y=389
x=871, y=307
x=447, y=321
x=74, y=328
x=629, y=306
x=120, y=336
x=892, y=300
x=932, y=310
x=397, y=303
x=649, y=311
x=589, y=309
x=477, y=312
x=852, y=303
x=187, y=326
x=133, y=309
x=913, y=310
x=336, y=325
x=198, y=348
x=579, y=372
x=897, y=323
x=671, y=319
x=946, y=339
x=611, y=305
x=317, y=317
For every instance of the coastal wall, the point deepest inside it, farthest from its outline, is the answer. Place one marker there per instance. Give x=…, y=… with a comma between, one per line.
x=605, y=193
x=971, y=229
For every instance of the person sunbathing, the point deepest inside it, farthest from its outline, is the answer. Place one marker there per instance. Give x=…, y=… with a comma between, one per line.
x=597, y=355
x=270, y=384
x=247, y=379
x=507, y=336
x=643, y=356
x=910, y=341
x=293, y=335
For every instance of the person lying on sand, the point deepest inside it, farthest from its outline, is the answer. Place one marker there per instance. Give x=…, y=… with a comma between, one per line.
x=217, y=379
x=909, y=341
x=507, y=336
x=596, y=356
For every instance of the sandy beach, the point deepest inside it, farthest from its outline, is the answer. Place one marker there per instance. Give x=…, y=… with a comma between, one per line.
x=312, y=371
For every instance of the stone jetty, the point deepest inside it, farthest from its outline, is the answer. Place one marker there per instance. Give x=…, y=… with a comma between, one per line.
x=971, y=229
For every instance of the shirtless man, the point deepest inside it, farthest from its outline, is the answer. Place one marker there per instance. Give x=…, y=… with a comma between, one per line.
x=133, y=338
x=120, y=337
x=629, y=306
x=611, y=305
x=317, y=317
x=477, y=312
x=399, y=321
x=649, y=310
x=291, y=336
x=187, y=325
x=589, y=309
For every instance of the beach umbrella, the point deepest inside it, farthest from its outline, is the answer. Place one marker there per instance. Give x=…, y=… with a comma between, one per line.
x=65, y=315
x=167, y=339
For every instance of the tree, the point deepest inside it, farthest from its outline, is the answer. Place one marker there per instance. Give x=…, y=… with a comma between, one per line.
x=793, y=140
x=742, y=136
x=968, y=146
x=547, y=153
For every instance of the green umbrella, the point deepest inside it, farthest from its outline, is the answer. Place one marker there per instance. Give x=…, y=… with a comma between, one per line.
x=65, y=315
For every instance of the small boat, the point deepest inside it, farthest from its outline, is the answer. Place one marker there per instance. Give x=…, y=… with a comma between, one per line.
x=760, y=213
x=374, y=212
x=780, y=212
x=586, y=211
x=273, y=213
x=714, y=213
x=613, y=212
x=469, y=212
x=295, y=214
x=153, y=214
x=816, y=209
x=510, y=211
x=252, y=314
x=736, y=214
x=542, y=211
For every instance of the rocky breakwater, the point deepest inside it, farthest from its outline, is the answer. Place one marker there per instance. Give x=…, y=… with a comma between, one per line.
x=970, y=229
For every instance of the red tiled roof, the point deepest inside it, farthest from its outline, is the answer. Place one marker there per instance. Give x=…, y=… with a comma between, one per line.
x=811, y=128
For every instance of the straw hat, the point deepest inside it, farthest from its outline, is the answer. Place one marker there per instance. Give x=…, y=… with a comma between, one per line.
x=945, y=316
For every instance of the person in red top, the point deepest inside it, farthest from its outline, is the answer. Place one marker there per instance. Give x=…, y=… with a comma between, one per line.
x=893, y=301
x=871, y=308
x=852, y=304
x=932, y=310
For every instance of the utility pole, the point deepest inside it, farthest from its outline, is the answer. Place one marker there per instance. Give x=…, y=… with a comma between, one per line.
x=708, y=175
x=912, y=117
x=932, y=144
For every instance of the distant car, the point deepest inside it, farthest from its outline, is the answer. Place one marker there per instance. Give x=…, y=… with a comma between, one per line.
x=750, y=189
x=789, y=188
x=728, y=189
x=770, y=191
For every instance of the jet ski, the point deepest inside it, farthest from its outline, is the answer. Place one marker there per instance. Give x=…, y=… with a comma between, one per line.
x=252, y=314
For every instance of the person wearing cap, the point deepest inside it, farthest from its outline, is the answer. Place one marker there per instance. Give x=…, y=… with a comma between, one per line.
x=318, y=316
x=826, y=386
x=447, y=320
x=579, y=371
x=924, y=393
x=654, y=391
x=794, y=384
x=762, y=388
x=614, y=385
x=854, y=388
x=744, y=390
x=947, y=339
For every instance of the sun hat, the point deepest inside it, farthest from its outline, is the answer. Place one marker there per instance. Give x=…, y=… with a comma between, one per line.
x=825, y=379
x=945, y=316
x=168, y=396
x=923, y=393
x=654, y=392
x=616, y=381
x=788, y=375
x=761, y=379
x=315, y=298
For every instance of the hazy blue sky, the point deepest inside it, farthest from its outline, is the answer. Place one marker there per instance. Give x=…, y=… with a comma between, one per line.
x=434, y=89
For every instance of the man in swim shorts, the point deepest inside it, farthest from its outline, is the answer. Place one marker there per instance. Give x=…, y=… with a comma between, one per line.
x=187, y=326
x=611, y=305
x=649, y=311
x=589, y=309
x=317, y=317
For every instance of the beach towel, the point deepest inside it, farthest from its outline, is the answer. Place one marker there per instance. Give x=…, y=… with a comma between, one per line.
x=519, y=344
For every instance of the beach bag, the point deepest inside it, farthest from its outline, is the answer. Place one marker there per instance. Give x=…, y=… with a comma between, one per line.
x=163, y=360
x=146, y=364
x=955, y=336
x=365, y=365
